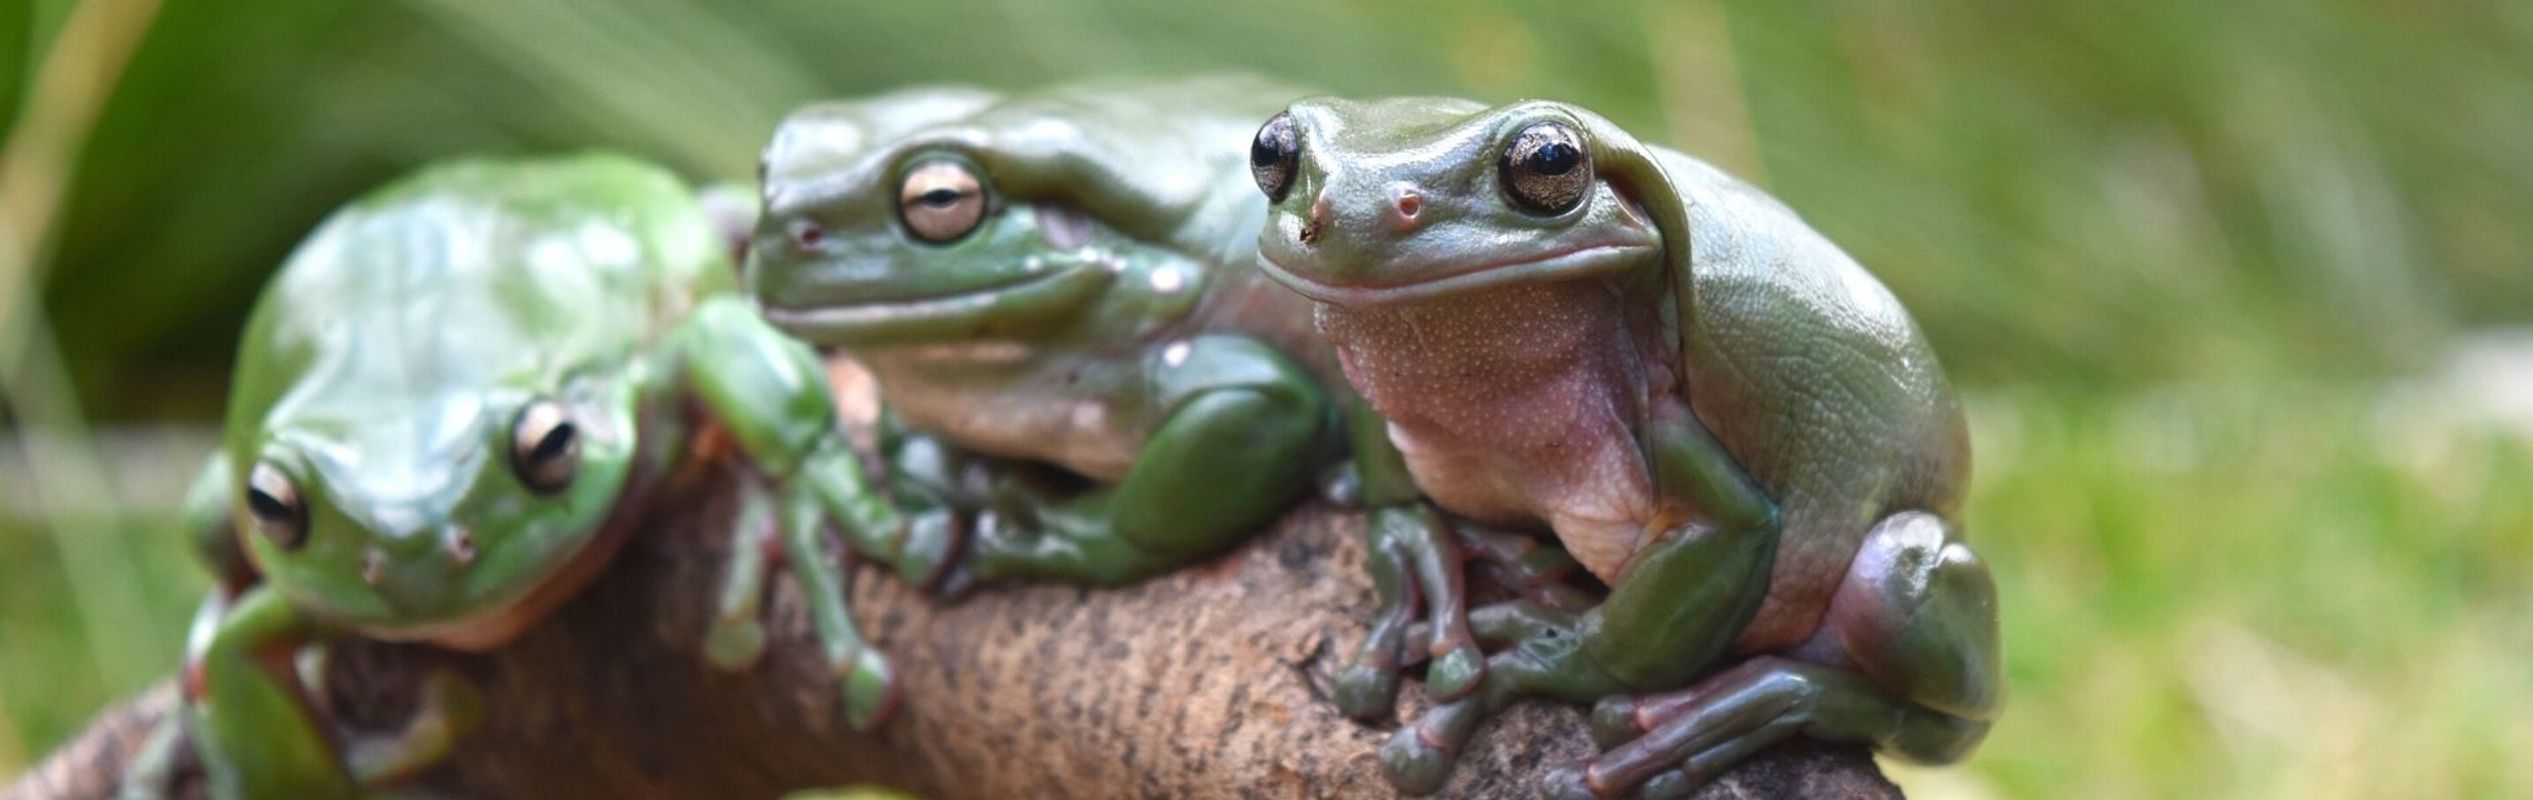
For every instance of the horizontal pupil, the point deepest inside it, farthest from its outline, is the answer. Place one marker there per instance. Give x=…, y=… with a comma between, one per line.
x=554, y=443
x=1553, y=158
x=265, y=506
x=942, y=197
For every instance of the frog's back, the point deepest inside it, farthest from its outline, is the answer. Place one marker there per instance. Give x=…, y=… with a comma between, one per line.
x=478, y=274
x=1817, y=380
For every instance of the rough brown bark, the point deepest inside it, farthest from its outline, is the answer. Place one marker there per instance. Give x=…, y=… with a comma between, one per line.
x=1193, y=685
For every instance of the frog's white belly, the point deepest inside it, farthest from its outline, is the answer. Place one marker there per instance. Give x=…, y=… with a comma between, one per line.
x=1002, y=400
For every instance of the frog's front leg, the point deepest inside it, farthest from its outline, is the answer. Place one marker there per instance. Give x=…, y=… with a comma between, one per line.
x=1681, y=600
x=153, y=773
x=253, y=723
x=1416, y=561
x=1915, y=616
x=1239, y=438
x=771, y=393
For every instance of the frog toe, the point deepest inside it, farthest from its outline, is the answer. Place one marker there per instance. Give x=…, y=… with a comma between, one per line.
x=1415, y=763
x=1670, y=785
x=1569, y=782
x=1615, y=722
x=1366, y=692
x=734, y=644
x=1456, y=673
x=931, y=548
x=872, y=693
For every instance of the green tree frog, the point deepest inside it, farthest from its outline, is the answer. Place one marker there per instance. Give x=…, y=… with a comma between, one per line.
x=450, y=407
x=1067, y=277
x=1715, y=410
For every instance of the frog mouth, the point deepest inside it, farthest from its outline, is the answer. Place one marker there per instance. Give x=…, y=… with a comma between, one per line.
x=488, y=630
x=968, y=314
x=1555, y=265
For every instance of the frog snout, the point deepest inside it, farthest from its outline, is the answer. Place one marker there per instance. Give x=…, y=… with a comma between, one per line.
x=412, y=571
x=1358, y=215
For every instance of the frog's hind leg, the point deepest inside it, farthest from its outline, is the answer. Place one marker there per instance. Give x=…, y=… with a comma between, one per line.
x=1416, y=562
x=1915, y=625
x=1242, y=432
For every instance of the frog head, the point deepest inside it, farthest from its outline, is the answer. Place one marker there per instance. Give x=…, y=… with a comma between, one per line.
x=937, y=215
x=1413, y=198
x=435, y=406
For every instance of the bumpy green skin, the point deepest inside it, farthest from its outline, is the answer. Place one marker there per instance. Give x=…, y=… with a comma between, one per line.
x=383, y=371
x=1106, y=317
x=1717, y=411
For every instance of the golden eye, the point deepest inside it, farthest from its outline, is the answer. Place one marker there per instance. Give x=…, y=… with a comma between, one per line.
x=941, y=201
x=1545, y=169
x=545, y=447
x=1274, y=156
x=273, y=500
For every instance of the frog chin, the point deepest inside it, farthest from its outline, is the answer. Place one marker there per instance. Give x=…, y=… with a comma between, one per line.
x=1556, y=265
x=1050, y=294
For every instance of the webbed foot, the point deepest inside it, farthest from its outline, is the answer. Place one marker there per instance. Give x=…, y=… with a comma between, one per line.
x=1917, y=617
x=1544, y=661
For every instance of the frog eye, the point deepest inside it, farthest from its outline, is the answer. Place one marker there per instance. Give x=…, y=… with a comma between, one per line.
x=941, y=201
x=545, y=447
x=273, y=501
x=1545, y=169
x=1274, y=156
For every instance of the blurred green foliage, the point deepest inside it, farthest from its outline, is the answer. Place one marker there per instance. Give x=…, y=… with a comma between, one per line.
x=2189, y=258
x=16, y=21
x=2100, y=193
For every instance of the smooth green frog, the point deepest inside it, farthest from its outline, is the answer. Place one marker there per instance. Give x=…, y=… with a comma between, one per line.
x=1068, y=277
x=1718, y=412
x=450, y=408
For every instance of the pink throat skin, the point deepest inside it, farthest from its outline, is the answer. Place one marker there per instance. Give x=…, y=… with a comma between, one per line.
x=1515, y=406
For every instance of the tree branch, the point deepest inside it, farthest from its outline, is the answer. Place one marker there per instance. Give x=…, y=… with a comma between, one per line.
x=1198, y=684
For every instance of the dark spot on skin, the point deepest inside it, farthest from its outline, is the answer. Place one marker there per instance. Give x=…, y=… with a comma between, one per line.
x=462, y=547
x=1310, y=233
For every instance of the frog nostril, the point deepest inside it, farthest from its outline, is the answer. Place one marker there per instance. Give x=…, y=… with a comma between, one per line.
x=1407, y=201
x=374, y=567
x=1309, y=233
x=807, y=234
x=461, y=546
